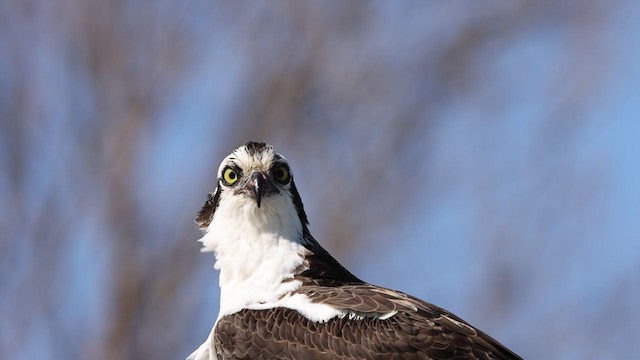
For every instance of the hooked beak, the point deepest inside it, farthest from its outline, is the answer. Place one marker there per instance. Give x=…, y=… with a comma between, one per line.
x=258, y=185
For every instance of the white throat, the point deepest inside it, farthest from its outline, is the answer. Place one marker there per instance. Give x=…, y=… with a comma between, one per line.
x=257, y=250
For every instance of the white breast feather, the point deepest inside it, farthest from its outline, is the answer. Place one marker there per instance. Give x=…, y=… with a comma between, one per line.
x=256, y=249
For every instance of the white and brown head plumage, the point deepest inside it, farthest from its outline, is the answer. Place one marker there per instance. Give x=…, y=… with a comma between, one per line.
x=284, y=297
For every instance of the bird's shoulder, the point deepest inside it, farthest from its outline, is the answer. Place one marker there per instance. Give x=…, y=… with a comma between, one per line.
x=378, y=323
x=418, y=318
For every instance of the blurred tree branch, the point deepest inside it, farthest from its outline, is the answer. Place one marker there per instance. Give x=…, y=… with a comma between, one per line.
x=315, y=80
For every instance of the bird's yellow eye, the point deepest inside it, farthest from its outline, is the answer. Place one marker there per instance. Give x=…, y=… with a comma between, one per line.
x=230, y=176
x=281, y=174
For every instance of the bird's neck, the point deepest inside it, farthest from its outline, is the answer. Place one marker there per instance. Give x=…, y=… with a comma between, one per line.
x=258, y=252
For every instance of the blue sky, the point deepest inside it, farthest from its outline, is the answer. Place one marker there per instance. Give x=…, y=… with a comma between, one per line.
x=519, y=185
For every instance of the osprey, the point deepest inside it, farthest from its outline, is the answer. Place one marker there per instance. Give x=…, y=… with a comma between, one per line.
x=282, y=296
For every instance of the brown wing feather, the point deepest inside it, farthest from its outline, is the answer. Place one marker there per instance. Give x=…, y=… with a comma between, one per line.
x=366, y=299
x=418, y=331
x=359, y=298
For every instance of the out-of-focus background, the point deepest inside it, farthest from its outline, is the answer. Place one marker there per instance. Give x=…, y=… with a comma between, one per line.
x=484, y=156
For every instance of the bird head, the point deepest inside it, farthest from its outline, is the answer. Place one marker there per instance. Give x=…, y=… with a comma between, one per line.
x=254, y=179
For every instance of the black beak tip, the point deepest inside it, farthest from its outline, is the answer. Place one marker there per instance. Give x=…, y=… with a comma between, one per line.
x=257, y=195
